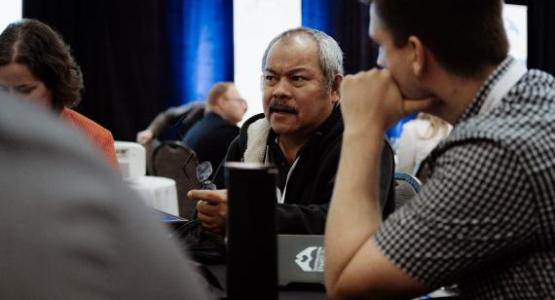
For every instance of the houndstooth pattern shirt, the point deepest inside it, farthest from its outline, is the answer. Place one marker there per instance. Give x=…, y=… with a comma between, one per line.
x=485, y=218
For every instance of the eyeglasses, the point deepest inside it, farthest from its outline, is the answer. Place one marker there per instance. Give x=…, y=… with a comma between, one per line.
x=204, y=170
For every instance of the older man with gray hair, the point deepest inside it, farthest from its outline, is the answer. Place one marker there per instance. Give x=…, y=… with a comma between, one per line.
x=299, y=132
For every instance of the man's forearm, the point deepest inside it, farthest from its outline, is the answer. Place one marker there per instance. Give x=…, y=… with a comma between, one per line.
x=164, y=119
x=354, y=214
x=160, y=123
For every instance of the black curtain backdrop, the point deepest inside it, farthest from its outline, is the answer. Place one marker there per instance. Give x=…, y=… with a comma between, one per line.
x=123, y=48
x=541, y=34
x=350, y=29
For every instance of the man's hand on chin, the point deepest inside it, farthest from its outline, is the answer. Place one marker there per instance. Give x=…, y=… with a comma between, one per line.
x=372, y=98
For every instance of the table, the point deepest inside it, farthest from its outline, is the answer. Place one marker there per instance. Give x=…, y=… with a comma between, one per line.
x=157, y=192
x=314, y=292
x=293, y=293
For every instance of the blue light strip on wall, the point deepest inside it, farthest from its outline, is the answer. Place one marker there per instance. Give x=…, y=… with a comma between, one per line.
x=317, y=14
x=202, y=45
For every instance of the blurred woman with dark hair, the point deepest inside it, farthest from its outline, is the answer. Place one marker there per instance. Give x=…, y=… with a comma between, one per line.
x=36, y=63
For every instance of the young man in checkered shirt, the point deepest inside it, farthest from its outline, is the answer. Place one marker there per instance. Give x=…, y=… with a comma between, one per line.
x=485, y=217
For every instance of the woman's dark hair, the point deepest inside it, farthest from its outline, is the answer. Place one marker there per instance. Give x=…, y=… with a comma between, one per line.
x=37, y=46
x=464, y=35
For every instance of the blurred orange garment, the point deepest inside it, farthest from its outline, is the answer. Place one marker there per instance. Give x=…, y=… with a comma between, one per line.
x=99, y=135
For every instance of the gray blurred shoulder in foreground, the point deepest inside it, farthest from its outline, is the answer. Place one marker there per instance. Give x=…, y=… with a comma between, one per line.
x=70, y=227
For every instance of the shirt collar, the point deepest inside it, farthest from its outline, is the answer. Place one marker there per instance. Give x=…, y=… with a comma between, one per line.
x=485, y=90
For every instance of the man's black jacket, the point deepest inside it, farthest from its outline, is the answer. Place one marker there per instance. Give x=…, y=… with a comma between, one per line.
x=310, y=186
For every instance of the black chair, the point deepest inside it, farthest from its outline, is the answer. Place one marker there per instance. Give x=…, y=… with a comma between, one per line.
x=387, y=180
x=177, y=161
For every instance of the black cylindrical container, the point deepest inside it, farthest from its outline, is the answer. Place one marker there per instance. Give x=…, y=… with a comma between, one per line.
x=251, y=231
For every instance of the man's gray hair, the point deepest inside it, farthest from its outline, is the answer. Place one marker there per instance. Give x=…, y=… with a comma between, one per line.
x=331, y=56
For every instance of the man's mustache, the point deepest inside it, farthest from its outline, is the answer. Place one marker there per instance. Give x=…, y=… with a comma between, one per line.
x=280, y=107
x=283, y=109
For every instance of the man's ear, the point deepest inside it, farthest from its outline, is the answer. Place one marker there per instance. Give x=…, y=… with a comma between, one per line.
x=218, y=106
x=418, y=62
x=335, y=88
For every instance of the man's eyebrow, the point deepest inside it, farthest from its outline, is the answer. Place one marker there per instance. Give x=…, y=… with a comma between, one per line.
x=294, y=70
x=298, y=69
x=270, y=70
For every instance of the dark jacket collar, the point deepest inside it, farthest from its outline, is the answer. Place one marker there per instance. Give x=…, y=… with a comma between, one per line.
x=333, y=123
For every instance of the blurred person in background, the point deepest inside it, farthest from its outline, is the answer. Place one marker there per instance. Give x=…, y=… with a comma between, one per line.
x=418, y=138
x=36, y=64
x=181, y=117
x=210, y=136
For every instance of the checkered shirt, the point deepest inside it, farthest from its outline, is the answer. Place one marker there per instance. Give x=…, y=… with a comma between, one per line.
x=485, y=218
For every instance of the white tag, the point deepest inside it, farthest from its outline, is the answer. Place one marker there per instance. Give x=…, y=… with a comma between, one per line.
x=514, y=72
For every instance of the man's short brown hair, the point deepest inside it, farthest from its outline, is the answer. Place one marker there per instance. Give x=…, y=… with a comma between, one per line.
x=463, y=35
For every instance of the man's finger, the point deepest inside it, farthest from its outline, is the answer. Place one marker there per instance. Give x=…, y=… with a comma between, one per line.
x=211, y=196
x=211, y=223
x=207, y=220
x=410, y=105
x=207, y=208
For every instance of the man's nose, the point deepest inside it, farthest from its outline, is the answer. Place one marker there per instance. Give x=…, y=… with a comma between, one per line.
x=282, y=89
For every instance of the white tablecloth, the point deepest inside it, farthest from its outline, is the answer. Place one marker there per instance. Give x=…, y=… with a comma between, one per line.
x=157, y=192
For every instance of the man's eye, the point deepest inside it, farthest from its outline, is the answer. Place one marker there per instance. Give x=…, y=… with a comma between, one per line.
x=298, y=78
x=24, y=90
x=270, y=79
